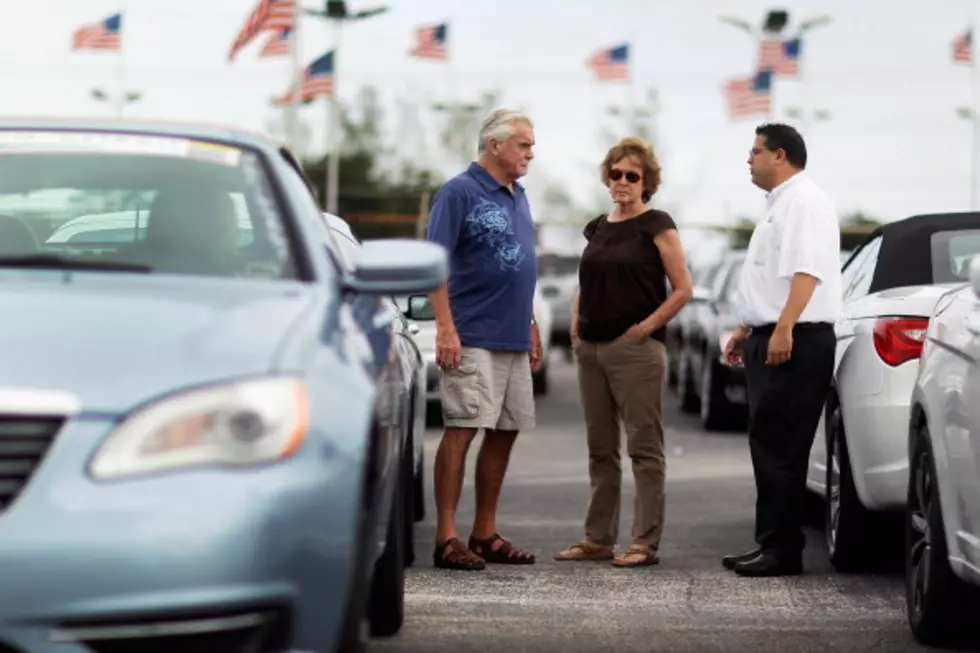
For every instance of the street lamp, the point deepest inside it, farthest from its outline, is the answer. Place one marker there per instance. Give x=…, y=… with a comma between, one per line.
x=337, y=13
x=775, y=24
x=121, y=100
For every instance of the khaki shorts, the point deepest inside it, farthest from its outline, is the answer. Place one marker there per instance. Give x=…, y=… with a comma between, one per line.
x=489, y=390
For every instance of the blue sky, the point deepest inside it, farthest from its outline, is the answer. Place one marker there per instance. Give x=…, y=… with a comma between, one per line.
x=882, y=68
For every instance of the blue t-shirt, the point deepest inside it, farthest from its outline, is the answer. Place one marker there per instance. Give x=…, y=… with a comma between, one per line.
x=493, y=268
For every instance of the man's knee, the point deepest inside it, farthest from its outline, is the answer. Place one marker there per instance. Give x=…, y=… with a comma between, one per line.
x=457, y=436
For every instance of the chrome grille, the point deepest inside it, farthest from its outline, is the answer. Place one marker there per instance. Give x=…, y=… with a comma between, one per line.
x=23, y=443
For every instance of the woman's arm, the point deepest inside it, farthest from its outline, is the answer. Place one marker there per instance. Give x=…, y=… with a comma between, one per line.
x=573, y=330
x=668, y=242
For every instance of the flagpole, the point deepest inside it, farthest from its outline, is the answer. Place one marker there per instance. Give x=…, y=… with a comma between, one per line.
x=121, y=64
x=631, y=88
x=292, y=110
x=333, y=128
x=974, y=116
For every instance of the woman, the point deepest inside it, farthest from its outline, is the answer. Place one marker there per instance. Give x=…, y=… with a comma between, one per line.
x=617, y=333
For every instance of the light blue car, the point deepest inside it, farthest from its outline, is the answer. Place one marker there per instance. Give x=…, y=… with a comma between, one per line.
x=206, y=422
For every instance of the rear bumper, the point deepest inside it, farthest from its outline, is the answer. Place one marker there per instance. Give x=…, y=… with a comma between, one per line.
x=877, y=441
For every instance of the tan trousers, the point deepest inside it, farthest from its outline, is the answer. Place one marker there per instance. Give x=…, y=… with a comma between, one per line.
x=624, y=380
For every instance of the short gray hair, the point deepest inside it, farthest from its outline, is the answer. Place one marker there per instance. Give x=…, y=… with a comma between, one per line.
x=500, y=125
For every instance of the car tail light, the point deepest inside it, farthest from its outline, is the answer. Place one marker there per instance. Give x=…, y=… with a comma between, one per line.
x=899, y=339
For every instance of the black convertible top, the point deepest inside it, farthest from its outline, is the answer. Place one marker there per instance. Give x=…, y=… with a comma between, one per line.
x=905, y=257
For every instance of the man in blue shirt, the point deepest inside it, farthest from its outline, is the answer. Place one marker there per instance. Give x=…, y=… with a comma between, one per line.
x=487, y=341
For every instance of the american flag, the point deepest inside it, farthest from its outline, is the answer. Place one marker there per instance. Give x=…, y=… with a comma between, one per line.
x=104, y=35
x=963, y=47
x=611, y=63
x=781, y=57
x=278, y=43
x=268, y=15
x=430, y=42
x=317, y=81
x=749, y=95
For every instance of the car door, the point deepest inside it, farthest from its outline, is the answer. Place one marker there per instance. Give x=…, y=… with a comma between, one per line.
x=958, y=333
x=378, y=320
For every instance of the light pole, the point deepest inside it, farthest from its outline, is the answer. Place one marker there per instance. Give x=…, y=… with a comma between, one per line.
x=640, y=120
x=336, y=12
x=118, y=102
x=774, y=25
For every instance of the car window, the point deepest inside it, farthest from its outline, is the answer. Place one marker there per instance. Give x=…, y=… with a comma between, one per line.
x=951, y=254
x=857, y=275
x=175, y=205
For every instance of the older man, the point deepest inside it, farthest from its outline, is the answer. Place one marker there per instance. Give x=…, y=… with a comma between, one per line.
x=487, y=342
x=789, y=298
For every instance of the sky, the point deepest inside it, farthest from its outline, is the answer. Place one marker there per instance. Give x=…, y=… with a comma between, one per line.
x=892, y=147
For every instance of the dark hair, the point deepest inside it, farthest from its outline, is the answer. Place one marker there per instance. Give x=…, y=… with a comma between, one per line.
x=785, y=138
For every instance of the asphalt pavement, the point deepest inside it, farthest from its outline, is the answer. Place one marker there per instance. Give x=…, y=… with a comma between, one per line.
x=686, y=603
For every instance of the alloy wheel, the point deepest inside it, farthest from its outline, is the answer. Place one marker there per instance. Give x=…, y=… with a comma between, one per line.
x=833, y=484
x=920, y=534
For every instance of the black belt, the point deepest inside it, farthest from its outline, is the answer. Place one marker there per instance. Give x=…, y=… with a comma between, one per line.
x=767, y=329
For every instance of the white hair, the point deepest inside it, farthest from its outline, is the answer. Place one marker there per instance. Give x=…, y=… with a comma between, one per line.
x=500, y=125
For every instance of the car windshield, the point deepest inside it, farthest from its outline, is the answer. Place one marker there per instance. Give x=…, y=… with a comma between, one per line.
x=120, y=202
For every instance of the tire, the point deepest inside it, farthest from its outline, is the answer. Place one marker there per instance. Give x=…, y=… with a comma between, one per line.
x=690, y=402
x=539, y=381
x=848, y=524
x=717, y=413
x=386, y=607
x=941, y=607
x=419, y=494
x=407, y=497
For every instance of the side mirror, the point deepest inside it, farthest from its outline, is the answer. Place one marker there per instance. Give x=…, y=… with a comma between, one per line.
x=397, y=266
x=975, y=275
x=419, y=309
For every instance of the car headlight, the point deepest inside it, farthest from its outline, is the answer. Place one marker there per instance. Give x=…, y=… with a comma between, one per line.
x=238, y=424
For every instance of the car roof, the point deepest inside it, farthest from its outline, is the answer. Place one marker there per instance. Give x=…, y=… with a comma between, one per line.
x=905, y=258
x=186, y=129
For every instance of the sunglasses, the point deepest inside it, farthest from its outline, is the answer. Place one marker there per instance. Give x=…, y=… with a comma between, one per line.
x=616, y=174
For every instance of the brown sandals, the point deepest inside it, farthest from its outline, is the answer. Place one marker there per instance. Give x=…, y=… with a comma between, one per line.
x=636, y=556
x=503, y=554
x=586, y=550
x=451, y=554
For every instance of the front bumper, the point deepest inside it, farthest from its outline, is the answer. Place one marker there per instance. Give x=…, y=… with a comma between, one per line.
x=234, y=546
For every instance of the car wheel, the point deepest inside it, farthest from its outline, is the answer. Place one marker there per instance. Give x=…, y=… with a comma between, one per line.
x=716, y=411
x=685, y=386
x=847, y=521
x=407, y=494
x=539, y=381
x=419, y=508
x=386, y=608
x=940, y=606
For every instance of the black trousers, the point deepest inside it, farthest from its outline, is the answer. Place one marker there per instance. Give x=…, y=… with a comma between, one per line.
x=785, y=402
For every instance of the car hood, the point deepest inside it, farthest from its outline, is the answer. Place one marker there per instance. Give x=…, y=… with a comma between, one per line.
x=117, y=340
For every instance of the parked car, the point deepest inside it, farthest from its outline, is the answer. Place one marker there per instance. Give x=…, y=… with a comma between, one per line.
x=201, y=433
x=702, y=278
x=706, y=386
x=558, y=281
x=347, y=247
x=942, y=514
x=419, y=312
x=859, y=459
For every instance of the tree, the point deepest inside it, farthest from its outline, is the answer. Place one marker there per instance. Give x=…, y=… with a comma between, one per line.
x=381, y=192
x=461, y=125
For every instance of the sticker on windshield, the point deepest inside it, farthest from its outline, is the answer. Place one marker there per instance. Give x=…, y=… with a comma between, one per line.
x=111, y=143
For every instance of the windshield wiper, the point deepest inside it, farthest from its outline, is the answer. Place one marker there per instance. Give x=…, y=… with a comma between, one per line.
x=56, y=262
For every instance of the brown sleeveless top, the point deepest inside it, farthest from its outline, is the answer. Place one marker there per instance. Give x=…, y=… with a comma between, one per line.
x=621, y=275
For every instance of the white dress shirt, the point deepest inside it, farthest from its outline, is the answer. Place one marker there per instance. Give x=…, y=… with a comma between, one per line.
x=800, y=233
